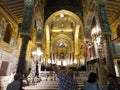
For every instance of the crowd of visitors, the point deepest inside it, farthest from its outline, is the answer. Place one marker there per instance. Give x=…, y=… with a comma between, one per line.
x=67, y=81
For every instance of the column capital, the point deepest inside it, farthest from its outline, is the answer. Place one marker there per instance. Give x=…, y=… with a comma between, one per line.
x=107, y=36
x=102, y=2
x=27, y=26
x=107, y=33
x=26, y=38
x=29, y=3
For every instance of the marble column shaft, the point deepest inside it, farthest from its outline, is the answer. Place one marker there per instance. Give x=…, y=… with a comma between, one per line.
x=105, y=27
x=22, y=61
x=109, y=57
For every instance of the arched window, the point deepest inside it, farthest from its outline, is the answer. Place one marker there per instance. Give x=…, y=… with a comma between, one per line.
x=62, y=55
x=8, y=33
x=118, y=30
x=3, y=25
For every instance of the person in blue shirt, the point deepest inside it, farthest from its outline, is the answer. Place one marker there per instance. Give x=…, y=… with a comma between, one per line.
x=92, y=83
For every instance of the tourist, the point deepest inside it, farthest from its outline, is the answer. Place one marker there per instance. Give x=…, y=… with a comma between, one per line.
x=67, y=81
x=113, y=83
x=28, y=72
x=25, y=81
x=42, y=67
x=92, y=83
x=15, y=84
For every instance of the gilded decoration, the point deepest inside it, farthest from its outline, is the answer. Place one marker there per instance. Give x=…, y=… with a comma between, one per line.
x=63, y=25
x=63, y=28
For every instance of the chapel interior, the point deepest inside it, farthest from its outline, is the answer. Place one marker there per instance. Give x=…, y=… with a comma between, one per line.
x=83, y=35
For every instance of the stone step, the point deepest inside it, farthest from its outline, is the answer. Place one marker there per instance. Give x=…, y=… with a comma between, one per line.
x=47, y=85
x=42, y=88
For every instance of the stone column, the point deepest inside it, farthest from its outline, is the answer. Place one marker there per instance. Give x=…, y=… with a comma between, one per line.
x=102, y=69
x=54, y=57
x=25, y=33
x=106, y=34
x=105, y=28
x=108, y=56
x=22, y=61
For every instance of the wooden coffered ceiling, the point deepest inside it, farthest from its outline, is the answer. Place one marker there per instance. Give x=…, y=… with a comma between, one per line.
x=16, y=7
x=113, y=10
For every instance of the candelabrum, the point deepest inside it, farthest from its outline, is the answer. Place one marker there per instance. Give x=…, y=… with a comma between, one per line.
x=37, y=59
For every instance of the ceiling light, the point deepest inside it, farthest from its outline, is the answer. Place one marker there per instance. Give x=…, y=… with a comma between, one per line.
x=49, y=61
x=75, y=61
x=61, y=15
x=39, y=52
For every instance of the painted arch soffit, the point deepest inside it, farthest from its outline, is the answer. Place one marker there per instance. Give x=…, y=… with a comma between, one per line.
x=62, y=38
x=71, y=17
x=66, y=12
